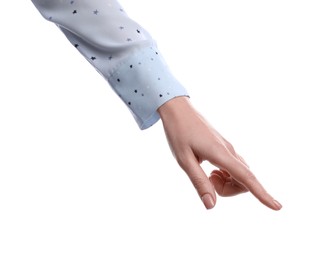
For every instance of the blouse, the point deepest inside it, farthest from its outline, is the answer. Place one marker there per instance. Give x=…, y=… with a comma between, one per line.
x=121, y=50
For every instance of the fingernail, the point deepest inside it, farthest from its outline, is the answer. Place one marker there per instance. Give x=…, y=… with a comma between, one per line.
x=278, y=205
x=208, y=201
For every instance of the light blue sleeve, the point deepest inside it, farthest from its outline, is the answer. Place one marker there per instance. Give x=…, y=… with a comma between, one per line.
x=121, y=50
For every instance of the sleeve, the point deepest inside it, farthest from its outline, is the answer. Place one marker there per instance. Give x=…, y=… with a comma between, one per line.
x=121, y=50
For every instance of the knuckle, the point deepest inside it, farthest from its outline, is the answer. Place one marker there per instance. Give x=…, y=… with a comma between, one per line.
x=183, y=160
x=223, y=146
x=230, y=147
x=198, y=182
x=250, y=177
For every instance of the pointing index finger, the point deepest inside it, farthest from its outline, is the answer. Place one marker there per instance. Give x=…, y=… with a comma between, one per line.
x=242, y=174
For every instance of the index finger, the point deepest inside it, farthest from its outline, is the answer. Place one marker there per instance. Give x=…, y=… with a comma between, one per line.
x=242, y=174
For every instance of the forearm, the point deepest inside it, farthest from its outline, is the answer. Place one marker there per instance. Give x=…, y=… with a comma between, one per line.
x=122, y=51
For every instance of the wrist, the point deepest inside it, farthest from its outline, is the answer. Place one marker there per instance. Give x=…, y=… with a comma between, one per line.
x=174, y=107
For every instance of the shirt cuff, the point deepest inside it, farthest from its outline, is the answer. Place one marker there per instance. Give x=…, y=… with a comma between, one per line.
x=144, y=82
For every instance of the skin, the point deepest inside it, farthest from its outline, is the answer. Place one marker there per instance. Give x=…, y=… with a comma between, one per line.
x=193, y=140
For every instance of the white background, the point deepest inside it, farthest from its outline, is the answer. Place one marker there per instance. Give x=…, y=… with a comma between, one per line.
x=79, y=180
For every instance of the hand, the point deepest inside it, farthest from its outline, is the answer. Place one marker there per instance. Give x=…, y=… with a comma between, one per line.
x=192, y=140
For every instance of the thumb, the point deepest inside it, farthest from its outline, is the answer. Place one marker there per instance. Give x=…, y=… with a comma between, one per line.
x=201, y=183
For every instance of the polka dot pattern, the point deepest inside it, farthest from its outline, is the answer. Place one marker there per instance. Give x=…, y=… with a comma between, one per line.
x=121, y=50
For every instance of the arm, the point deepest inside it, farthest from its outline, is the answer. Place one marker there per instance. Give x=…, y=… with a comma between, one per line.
x=128, y=58
x=121, y=50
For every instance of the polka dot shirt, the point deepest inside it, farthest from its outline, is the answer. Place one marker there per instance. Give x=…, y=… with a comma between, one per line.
x=121, y=50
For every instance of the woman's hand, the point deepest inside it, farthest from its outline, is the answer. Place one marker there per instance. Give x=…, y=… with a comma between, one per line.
x=192, y=140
